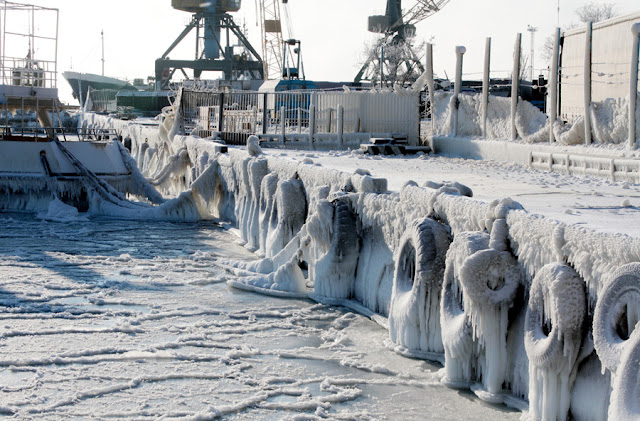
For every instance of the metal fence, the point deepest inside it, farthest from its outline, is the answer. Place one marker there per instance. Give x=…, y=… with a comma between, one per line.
x=280, y=114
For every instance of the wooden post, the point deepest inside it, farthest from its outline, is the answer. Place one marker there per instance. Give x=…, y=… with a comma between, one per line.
x=552, y=102
x=460, y=50
x=431, y=89
x=340, y=128
x=485, y=85
x=587, y=83
x=515, y=85
x=633, y=91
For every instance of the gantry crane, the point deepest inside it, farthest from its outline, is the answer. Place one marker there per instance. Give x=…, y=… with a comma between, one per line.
x=393, y=52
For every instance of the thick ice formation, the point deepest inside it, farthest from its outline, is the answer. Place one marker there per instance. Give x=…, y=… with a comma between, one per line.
x=477, y=302
x=414, y=314
x=554, y=333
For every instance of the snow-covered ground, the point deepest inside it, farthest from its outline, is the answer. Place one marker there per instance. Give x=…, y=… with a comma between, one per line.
x=112, y=319
x=593, y=202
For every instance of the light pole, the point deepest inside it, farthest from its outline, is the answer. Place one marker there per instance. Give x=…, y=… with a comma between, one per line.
x=533, y=37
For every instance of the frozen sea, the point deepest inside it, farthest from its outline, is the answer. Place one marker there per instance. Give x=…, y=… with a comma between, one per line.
x=113, y=319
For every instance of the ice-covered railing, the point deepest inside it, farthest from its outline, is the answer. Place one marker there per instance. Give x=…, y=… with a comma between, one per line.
x=520, y=308
x=599, y=93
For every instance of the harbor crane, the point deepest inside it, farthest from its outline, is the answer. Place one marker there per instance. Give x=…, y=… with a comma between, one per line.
x=209, y=19
x=393, y=58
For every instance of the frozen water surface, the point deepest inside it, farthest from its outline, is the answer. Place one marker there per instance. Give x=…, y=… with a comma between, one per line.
x=116, y=319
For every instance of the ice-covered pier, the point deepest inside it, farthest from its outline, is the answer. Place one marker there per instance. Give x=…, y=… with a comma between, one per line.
x=522, y=309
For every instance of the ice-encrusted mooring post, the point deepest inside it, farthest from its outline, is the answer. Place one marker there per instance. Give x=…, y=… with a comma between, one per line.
x=515, y=85
x=485, y=85
x=587, y=82
x=460, y=50
x=633, y=91
x=553, y=85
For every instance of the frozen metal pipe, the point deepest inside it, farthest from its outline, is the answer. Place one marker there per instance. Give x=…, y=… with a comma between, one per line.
x=515, y=85
x=552, y=101
x=633, y=91
x=485, y=84
x=431, y=89
x=587, y=83
x=460, y=50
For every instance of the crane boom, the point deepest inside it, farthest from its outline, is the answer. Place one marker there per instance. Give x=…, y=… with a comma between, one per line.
x=271, y=26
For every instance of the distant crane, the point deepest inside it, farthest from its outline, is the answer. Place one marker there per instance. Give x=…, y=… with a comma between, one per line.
x=209, y=19
x=393, y=58
x=274, y=43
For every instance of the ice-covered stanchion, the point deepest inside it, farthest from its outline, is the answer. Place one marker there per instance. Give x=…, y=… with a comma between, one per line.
x=334, y=273
x=268, y=188
x=554, y=331
x=288, y=214
x=414, y=315
x=478, y=301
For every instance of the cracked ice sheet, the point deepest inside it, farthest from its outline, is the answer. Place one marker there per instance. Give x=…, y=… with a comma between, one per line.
x=116, y=319
x=595, y=203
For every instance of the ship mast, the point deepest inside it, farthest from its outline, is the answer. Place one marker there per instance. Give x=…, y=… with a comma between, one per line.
x=102, y=36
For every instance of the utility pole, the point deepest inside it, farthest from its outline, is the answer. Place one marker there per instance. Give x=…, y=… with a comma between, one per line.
x=533, y=37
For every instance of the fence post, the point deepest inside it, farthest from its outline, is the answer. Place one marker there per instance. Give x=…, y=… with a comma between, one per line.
x=553, y=85
x=431, y=89
x=633, y=91
x=460, y=50
x=312, y=123
x=221, y=111
x=485, y=85
x=254, y=123
x=328, y=128
x=283, y=124
x=264, y=113
x=300, y=97
x=587, y=83
x=515, y=85
x=340, y=128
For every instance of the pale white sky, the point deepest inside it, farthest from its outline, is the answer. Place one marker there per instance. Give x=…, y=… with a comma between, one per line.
x=333, y=33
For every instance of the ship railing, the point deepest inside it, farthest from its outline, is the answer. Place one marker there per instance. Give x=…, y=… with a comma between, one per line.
x=83, y=134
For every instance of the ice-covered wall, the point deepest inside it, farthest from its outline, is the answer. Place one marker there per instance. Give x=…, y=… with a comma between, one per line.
x=504, y=299
x=609, y=120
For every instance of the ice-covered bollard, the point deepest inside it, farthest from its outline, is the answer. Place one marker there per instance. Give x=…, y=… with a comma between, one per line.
x=253, y=146
x=414, y=315
x=553, y=336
